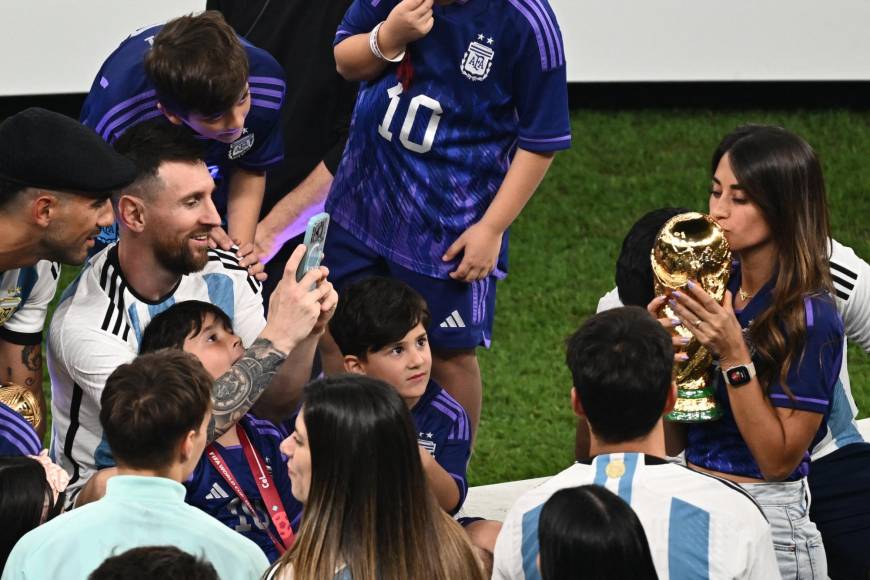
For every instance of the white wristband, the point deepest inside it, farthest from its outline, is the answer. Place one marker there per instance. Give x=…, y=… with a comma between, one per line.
x=376, y=50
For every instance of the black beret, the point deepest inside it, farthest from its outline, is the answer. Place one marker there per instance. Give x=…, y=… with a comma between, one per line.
x=47, y=150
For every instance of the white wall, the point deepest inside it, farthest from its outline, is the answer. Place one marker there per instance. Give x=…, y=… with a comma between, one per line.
x=56, y=46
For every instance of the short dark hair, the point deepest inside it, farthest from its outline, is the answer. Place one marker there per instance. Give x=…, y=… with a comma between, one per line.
x=590, y=532
x=198, y=64
x=24, y=490
x=148, y=562
x=375, y=312
x=8, y=191
x=621, y=362
x=157, y=141
x=151, y=403
x=170, y=328
x=634, y=275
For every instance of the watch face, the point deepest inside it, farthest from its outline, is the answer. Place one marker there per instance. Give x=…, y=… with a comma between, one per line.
x=738, y=376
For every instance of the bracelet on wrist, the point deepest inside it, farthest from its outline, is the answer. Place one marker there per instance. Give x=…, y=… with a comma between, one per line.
x=376, y=50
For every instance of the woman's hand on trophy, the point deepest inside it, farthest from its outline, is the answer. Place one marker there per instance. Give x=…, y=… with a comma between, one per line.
x=714, y=325
x=656, y=309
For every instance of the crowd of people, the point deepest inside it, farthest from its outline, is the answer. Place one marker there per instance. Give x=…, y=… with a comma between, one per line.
x=220, y=411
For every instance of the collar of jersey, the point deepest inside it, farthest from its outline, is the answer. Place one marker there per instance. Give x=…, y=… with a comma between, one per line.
x=112, y=258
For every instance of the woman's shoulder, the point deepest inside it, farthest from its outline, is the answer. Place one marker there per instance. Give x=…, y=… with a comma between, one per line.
x=822, y=314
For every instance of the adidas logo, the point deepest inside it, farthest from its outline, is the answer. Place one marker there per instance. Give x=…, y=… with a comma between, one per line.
x=216, y=492
x=453, y=321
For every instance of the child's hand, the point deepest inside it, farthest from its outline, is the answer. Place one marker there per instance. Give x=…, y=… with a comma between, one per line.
x=480, y=245
x=410, y=20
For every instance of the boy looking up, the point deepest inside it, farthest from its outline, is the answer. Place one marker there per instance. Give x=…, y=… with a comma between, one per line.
x=197, y=72
x=460, y=111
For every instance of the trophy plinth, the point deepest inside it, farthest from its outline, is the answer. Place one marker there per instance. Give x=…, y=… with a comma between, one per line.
x=692, y=246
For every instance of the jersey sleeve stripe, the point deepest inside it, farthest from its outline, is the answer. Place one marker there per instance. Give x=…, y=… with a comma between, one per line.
x=116, y=129
x=267, y=92
x=537, y=30
x=844, y=270
x=552, y=37
x=25, y=438
x=121, y=106
x=566, y=137
x=842, y=282
x=265, y=104
x=267, y=81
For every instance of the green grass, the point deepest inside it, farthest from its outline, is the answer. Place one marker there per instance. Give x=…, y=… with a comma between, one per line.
x=564, y=247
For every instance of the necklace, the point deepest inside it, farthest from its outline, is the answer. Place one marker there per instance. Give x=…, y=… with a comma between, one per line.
x=743, y=294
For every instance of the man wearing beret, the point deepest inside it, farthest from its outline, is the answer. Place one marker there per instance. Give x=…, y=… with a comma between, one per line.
x=56, y=178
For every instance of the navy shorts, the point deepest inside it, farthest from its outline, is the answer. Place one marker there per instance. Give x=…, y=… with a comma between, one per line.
x=462, y=313
x=840, y=508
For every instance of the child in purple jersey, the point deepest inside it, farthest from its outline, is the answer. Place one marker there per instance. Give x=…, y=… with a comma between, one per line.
x=380, y=327
x=197, y=72
x=461, y=109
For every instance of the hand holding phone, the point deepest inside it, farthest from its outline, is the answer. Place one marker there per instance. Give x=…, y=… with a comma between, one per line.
x=315, y=238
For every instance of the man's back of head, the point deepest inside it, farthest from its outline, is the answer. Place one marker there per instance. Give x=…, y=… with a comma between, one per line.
x=155, y=412
x=621, y=363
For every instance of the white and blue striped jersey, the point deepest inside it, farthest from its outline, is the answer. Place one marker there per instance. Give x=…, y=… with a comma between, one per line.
x=851, y=277
x=97, y=327
x=24, y=297
x=697, y=525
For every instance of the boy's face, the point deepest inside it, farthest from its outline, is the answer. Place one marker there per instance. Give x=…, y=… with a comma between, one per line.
x=216, y=347
x=406, y=365
x=225, y=127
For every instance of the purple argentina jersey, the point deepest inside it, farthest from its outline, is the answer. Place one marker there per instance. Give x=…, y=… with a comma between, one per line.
x=122, y=96
x=443, y=429
x=718, y=445
x=424, y=160
x=209, y=491
x=17, y=436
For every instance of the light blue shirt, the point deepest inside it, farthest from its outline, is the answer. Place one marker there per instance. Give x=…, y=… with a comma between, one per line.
x=136, y=511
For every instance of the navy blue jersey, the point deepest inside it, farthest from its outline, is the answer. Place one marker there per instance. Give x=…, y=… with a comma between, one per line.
x=122, y=96
x=444, y=430
x=17, y=436
x=425, y=158
x=718, y=445
x=209, y=491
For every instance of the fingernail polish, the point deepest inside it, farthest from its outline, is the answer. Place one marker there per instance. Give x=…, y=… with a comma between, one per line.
x=676, y=321
x=691, y=284
x=683, y=356
x=676, y=294
x=685, y=340
x=671, y=303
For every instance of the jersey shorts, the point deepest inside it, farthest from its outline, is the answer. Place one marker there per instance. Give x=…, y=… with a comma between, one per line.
x=462, y=312
x=97, y=327
x=697, y=525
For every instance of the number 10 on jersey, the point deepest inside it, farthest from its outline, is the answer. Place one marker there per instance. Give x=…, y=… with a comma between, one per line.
x=405, y=133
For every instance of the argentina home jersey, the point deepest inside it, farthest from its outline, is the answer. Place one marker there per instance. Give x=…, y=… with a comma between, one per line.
x=209, y=491
x=25, y=294
x=443, y=429
x=97, y=327
x=431, y=139
x=122, y=96
x=697, y=525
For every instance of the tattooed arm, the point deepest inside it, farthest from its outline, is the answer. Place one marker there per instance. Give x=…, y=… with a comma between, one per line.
x=236, y=391
x=22, y=364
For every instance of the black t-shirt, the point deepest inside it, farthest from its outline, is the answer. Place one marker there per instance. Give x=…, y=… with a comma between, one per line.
x=318, y=103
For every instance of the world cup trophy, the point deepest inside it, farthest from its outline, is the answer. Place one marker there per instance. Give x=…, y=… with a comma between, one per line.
x=691, y=246
x=23, y=402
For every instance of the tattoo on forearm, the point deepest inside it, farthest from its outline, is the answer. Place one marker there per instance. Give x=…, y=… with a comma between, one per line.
x=236, y=391
x=31, y=357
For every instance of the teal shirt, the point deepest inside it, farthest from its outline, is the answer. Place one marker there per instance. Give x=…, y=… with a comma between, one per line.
x=136, y=511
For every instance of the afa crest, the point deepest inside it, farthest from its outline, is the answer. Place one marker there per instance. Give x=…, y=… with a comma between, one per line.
x=9, y=304
x=477, y=61
x=241, y=146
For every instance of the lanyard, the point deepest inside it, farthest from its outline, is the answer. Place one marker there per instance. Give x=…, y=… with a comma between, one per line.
x=274, y=505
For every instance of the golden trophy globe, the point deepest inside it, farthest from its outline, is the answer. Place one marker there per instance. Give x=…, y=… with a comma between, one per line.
x=691, y=246
x=23, y=402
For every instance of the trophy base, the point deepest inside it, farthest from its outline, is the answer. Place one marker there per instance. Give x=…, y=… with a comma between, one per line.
x=694, y=409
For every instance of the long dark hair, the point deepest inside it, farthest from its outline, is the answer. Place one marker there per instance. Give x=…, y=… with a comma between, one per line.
x=369, y=507
x=589, y=532
x=780, y=173
x=24, y=492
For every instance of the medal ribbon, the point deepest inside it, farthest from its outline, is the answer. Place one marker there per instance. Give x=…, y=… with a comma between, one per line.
x=268, y=491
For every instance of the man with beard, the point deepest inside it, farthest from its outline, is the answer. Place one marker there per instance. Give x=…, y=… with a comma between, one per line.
x=163, y=257
x=56, y=177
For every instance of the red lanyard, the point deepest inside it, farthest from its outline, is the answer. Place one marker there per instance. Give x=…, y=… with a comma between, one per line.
x=274, y=505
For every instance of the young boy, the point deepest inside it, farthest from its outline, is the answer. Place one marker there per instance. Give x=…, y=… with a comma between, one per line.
x=380, y=326
x=462, y=107
x=236, y=480
x=196, y=71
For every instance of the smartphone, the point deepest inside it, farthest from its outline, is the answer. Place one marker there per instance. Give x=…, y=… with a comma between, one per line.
x=315, y=238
